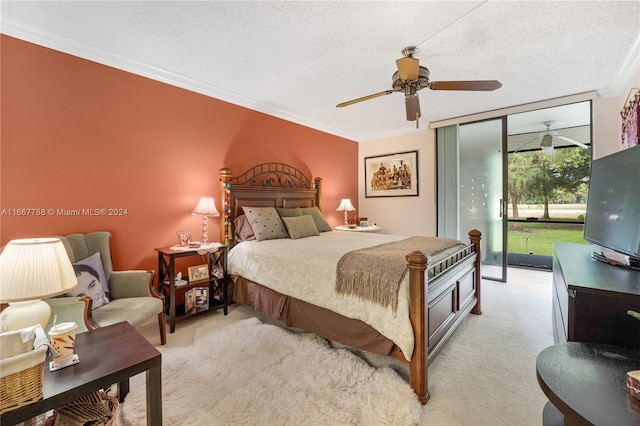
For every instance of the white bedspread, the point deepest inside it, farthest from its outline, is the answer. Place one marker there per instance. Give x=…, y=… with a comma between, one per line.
x=306, y=269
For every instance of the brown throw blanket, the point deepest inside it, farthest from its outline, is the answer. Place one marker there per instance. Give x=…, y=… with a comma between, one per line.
x=375, y=273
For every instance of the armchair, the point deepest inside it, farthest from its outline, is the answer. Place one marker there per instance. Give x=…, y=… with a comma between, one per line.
x=131, y=293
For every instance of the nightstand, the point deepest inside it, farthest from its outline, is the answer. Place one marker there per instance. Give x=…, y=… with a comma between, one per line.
x=374, y=229
x=215, y=284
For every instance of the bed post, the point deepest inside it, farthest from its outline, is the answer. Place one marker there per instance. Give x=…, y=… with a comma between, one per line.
x=318, y=182
x=474, y=237
x=418, y=369
x=225, y=217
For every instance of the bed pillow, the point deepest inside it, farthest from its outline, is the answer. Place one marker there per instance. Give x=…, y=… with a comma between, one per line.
x=242, y=229
x=283, y=212
x=265, y=222
x=321, y=223
x=92, y=280
x=300, y=226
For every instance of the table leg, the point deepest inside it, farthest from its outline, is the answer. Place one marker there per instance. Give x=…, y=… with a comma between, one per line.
x=154, y=396
x=172, y=296
x=123, y=390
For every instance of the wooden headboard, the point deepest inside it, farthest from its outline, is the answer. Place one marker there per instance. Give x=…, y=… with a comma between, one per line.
x=265, y=185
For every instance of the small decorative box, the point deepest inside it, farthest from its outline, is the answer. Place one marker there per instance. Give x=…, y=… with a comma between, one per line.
x=633, y=384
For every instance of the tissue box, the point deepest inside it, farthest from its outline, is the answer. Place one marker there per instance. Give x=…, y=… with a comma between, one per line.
x=21, y=371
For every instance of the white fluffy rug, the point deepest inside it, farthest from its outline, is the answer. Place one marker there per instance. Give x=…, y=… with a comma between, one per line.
x=247, y=372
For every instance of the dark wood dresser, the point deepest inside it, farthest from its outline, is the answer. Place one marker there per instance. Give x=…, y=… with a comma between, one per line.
x=591, y=298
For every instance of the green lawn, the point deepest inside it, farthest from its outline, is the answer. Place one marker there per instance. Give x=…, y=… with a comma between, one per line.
x=538, y=238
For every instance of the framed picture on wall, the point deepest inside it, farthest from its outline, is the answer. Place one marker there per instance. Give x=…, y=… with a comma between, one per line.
x=391, y=175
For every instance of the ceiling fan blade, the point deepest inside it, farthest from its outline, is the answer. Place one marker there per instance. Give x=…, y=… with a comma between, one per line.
x=412, y=105
x=478, y=85
x=580, y=144
x=364, y=98
x=408, y=68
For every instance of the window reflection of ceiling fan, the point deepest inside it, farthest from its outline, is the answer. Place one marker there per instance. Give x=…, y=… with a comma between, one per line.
x=546, y=139
x=411, y=77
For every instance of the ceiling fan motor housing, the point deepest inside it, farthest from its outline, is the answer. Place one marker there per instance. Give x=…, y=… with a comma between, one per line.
x=422, y=81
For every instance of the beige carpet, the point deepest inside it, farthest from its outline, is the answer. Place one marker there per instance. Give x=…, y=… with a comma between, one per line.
x=486, y=373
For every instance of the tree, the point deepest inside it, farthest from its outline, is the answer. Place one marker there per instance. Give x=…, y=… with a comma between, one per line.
x=520, y=166
x=535, y=176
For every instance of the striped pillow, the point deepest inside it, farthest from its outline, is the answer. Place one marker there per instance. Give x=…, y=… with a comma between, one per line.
x=300, y=226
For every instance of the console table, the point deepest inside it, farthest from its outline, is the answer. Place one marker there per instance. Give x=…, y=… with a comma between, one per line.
x=586, y=383
x=591, y=298
x=107, y=355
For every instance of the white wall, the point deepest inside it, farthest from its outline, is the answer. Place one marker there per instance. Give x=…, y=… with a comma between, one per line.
x=402, y=215
x=607, y=122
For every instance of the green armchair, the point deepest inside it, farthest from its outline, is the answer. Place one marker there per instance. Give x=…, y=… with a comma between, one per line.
x=132, y=296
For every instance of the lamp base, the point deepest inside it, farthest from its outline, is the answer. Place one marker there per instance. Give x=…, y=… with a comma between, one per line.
x=19, y=315
x=205, y=234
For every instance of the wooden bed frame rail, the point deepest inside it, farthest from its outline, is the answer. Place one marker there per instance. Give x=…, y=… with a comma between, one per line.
x=441, y=294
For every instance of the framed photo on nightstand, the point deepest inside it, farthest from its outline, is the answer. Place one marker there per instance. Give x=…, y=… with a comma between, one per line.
x=198, y=273
x=202, y=298
x=189, y=300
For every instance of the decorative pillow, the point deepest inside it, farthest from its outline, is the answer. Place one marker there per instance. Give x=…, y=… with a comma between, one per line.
x=243, y=230
x=282, y=212
x=92, y=281
x=265, y=222
x=316, y=214
x=300, y=227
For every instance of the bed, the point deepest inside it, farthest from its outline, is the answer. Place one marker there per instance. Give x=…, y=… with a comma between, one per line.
x=411, y=322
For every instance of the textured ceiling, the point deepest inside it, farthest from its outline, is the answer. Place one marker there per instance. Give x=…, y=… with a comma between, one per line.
x=297, y=60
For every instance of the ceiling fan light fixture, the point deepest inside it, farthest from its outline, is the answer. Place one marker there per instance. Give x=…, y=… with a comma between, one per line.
x=408, y=68
x=548, y=150
x=547, y=144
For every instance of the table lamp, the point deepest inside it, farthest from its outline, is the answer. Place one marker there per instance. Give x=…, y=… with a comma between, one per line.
x=30, y=270
x=346, y=206
x=206, y=207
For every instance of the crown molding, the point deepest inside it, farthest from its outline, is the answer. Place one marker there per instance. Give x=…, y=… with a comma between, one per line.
x=630, y=68
x=114, y=60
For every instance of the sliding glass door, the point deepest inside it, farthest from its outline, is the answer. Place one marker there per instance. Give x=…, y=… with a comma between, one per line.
x=482, y=192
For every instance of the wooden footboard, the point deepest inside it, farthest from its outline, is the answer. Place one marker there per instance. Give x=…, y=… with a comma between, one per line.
x=441, y=295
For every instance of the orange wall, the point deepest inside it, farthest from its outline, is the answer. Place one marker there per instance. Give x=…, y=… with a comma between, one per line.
x=79, y=135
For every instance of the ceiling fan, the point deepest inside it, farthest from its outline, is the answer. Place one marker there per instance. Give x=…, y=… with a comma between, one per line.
x=412, y=77
x=546, y=139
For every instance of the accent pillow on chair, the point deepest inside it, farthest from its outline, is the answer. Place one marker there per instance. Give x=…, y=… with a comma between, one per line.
x=92, y=281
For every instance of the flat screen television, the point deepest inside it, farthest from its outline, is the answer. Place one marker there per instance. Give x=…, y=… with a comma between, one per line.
x=612, y=219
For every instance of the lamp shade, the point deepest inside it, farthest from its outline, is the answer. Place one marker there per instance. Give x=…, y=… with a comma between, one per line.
x=35, y=268
x=206, y=207
x=345, y=205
